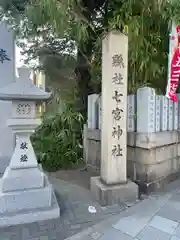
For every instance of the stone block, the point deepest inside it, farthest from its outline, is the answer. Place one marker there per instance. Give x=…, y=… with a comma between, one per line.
x=85, y=143
x=152, y=140
x=145, y=110
x=113, y=194
x=150, y=233
x=164, y=113
x=178, y=95
x=92, y=152
x=22, y=179
x=178, y=149
x=92, y=122
x=99, y=112
x=131, y=113
x=35, y=215
x=15, y=201
x=175, y=115
x=163, y=224
x=158, y=113
x=94, y=134
x=114, y=234
x=152, y=156
x=170, y=115
x=143, y=140
x=4, y=162
x=149, y=173
x=98, y=155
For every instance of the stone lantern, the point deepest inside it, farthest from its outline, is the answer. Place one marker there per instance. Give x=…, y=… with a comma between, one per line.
x=25, y=192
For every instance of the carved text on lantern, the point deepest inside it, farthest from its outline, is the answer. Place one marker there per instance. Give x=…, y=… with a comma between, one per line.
x=24, y=158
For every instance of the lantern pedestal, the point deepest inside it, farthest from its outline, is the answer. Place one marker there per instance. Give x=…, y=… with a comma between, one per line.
x=25, y=192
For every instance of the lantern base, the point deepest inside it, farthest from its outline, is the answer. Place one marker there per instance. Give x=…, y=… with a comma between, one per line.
x=36, y=215
x=28, y=205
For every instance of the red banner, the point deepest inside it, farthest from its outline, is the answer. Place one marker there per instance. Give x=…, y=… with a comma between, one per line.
x=174, y=63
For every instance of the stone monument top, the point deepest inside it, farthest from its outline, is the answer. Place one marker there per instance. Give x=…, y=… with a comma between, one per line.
x=23, y=89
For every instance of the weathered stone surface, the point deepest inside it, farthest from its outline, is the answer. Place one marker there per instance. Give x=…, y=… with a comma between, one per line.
x=158, y=113
x=114, y=108
x=131, y=113
x=152, y=156
x=147, y=173
x=152, y=140
x=92, y=123
x=164, y=113
x=146, y=110
x=13, y=202
x=150, y=233
x=22, y=180
x=175, y=115
x=113, y=194
x=170, y=115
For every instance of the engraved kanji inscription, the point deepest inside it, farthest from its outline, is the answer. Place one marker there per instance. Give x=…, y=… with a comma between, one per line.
x=117, y=132
x=24, y=145
x=3, y=56
x=130, y=112
x=117, y=151
x=117, y=61
x=117, y=79
x=24, y=158
x=117, y=113
x=117, y=96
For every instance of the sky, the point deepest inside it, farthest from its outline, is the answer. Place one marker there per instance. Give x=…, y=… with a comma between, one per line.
x=19, y=57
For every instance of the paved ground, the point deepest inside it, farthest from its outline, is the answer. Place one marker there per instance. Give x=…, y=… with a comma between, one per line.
x=74, y=199
x=155, y=218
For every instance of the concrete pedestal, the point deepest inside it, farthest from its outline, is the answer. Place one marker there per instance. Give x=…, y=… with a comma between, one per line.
x=23, y=202
x=113, y=194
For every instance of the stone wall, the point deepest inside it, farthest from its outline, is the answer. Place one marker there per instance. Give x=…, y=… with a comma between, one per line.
x=153, y=140
x=152, y=159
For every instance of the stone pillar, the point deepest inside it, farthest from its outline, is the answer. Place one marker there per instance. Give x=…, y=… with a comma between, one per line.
x=112, y=186
x=175, y=113
x=92, y=122
x=164, y=113
x=170, y=115
x=7, y=73
x=158, y=113
x=99, y=113
x=146, y=100
x=131, y=113
x=178, y=95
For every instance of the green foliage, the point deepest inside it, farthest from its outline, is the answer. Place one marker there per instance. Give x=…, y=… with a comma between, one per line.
x=63, y=25
x=58, y=141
